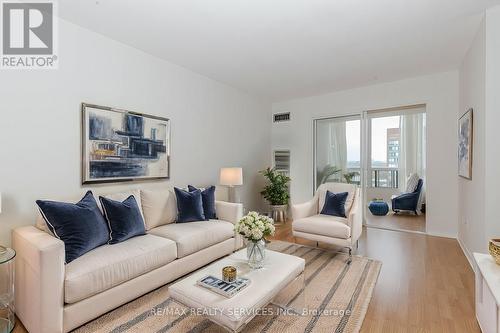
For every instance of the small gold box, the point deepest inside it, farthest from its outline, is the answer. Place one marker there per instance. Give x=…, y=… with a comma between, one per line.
x=229, y=274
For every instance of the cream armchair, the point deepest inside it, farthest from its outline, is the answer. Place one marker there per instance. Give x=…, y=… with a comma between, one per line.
x=309, y=224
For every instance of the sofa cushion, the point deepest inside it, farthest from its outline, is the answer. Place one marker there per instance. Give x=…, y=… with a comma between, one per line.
x=336, y=188
x=110, y=265
x=334, y=204
x=412, y=182
x=325, y=225
x=159, y=207
x=80, y=226
x=208, y=199
x=124, y=219
x=119, y=196
x=195, y=236
x=189, y=206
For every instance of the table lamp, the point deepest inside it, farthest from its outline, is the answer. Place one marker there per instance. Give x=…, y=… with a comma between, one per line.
x=231, y=177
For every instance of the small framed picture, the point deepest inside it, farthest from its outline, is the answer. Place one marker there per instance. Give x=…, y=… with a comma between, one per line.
x=465, y=132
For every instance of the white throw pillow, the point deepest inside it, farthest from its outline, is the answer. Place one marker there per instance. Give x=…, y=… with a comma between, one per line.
x=412, y=182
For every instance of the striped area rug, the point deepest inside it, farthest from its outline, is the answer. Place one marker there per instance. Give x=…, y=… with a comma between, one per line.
x=335, y=299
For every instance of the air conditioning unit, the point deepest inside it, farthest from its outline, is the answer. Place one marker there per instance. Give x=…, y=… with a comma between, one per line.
x=282, y=161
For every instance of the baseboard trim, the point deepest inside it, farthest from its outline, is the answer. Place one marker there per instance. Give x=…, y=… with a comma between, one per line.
x=466, y=253
x=394, y=229
x=437, y=234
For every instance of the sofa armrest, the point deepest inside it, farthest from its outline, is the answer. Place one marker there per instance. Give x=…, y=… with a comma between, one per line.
x=355, y=218
x=39, y=279
x=228, y=211
x=306, y=209
x=231, y=212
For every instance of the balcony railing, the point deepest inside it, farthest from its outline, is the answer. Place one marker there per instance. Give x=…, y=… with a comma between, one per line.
x=387, y=177
x=381, y=177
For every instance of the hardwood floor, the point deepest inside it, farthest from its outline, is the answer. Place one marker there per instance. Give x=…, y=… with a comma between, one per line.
x=425, y=285
x=400, y=221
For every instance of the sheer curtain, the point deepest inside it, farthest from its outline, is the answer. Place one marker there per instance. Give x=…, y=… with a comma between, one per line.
x=331, y=149
x=338, y=147
x=412, y=152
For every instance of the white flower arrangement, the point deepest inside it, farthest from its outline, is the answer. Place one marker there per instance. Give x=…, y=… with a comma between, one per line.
x=255, y=227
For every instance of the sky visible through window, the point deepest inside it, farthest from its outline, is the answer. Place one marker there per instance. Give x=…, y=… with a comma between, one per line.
x=379, y=138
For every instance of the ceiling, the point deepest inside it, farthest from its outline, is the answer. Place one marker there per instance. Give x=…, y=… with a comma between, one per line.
x=283, y=49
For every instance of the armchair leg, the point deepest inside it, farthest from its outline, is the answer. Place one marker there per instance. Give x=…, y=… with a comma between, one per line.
x=349, y=260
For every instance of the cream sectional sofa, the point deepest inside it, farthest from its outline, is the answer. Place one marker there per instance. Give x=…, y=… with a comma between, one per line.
x=52, y=297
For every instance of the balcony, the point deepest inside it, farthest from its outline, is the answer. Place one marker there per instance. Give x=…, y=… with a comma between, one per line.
x=381, y=177
x=385, y=177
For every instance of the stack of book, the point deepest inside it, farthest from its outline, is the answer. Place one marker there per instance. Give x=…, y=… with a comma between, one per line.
x=221, y=287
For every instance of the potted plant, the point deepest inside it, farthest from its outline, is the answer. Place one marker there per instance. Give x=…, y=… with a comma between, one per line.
x=276, y=193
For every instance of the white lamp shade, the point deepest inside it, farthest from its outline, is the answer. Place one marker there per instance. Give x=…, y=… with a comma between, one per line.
x=231, y=176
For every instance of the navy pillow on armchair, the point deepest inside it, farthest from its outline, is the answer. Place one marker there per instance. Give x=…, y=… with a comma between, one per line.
x=189, y=206
x=208, y=199
x=80, y=226
x=124, y=219
x=335, y=204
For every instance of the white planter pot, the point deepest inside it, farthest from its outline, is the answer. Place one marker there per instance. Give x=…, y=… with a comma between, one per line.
x=278, y=213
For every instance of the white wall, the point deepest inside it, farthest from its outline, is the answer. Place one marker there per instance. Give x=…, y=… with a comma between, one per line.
x=471, y=227
x=479, y=88
x=213, y=125
x=440, y=94
x=492, y=88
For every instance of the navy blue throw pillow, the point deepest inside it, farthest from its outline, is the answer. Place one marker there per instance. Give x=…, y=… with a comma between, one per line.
x=124, y=219
x=208, y=199
x=335, y=204
x=80, y=226
x=189, y=206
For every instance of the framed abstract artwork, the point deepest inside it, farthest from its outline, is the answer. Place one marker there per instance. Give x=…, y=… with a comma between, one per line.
x=465, y=128
x=120, y=145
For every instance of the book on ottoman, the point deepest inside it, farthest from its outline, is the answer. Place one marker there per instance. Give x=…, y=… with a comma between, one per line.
x=226, y=289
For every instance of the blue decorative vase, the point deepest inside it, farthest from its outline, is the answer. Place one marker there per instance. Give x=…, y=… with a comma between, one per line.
x=379, y=208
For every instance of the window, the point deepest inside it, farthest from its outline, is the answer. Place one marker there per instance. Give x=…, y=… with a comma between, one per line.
x=337, y=150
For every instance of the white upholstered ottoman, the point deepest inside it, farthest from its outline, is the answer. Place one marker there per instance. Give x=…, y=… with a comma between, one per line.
x=233, y=313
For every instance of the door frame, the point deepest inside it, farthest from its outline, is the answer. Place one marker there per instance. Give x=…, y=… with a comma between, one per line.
x=365, y=149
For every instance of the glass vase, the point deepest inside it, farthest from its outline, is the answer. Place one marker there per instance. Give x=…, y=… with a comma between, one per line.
x=256, y=253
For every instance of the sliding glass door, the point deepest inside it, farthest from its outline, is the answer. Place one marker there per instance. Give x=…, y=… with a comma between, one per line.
x=395, y=144
x=337, y=150
x=377, y=150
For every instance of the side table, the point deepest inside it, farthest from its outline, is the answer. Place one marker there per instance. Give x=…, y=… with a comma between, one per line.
x=7, y=317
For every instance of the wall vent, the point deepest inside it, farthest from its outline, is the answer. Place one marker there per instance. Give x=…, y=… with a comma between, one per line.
x=282, y=161
x=279, y=117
